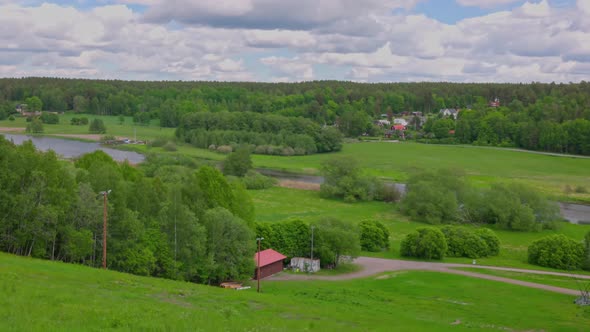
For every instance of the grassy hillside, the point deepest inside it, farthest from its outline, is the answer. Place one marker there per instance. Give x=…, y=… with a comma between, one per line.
x=43, y=295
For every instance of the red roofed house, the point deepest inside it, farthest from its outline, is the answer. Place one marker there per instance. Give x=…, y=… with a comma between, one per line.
x=271, y=262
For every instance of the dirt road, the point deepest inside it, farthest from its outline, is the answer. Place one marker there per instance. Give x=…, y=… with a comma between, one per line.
x=371, y=266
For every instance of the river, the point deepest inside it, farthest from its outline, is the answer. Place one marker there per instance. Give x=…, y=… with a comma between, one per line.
x=574, y=213
x=72, y=149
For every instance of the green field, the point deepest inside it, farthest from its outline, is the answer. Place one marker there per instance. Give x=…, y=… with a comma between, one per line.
x=396, y=161
x=278, y=204
x=43, y=295
x=112, y=123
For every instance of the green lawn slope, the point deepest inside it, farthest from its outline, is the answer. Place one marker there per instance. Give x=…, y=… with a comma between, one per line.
x=40, y=295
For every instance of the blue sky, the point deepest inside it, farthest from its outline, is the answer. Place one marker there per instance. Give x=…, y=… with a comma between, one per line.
x=296, y=40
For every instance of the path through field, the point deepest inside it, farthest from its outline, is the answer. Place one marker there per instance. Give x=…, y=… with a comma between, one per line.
x=371, y=266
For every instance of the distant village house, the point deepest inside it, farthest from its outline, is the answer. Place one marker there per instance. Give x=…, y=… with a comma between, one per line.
x=400, y=121
x=23, y=110
x=495, y=103
x=450, y=112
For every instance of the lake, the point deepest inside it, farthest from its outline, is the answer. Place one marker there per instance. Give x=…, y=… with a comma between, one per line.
x=72, y=149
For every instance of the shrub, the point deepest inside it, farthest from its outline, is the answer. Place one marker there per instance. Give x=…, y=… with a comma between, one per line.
x=35, y=127
x=491, y=239
x=514, y=207
x=300, y=151
x=430, y=202
x=11, y=118
x=388, y=193
x=49, y=118
x=429, y=243
x=374, y=236
x=587, y=256
x=261, y=149
x=79, y=121
x=106, y=138
x=277, y=150
x=288, y=151
x=557, y=251
x=159, y=142
x=224, y=149
x=97, y=127
x=345, y=179
x=255, y=181
x=212, y=147
x=581, y=190
x=462, y=242
x=170, y=146
x=238, y=163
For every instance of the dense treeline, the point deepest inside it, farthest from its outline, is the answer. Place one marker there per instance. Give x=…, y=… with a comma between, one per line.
x=550, y=117
x=547, y=125
x=260, y=130
x=322, y=101
x=176, y=223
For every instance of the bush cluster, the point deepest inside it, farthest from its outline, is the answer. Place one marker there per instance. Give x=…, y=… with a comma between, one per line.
x=443, y=197
x=158, y=142
x=79, y=121
x=97, y=127
x=256, y=181
x=49, y=118
x=344, y=178
x=170, y=147
x=557, y=251
x=374, y=236
x=463, y=242
x=426, y=242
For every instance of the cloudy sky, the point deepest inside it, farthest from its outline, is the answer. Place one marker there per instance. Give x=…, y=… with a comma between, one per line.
x=298, y=40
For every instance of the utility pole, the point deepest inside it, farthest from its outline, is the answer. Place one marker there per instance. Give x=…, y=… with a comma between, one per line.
x=258, y=264
x=175, y=243
x=105, y=195
x=312, y=228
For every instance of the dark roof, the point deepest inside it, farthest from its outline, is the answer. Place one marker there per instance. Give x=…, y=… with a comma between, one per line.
x=268, y=257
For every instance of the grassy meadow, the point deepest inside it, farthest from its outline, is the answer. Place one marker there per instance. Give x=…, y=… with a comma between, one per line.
x=278, y=204
x=73, y=297
x=396, y=161
x=112, y=123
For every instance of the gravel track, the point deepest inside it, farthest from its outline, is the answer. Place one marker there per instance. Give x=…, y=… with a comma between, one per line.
x=371, y=266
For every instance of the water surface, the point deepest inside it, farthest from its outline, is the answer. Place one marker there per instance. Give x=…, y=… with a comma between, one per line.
x=72, y=149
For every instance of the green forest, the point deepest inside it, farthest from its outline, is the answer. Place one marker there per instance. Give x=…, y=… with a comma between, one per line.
x=177, y=223
x=537, y=116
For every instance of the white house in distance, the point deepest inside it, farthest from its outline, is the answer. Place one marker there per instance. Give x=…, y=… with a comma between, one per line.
x=400, y=121
x=450, y=112
x=383, y=123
